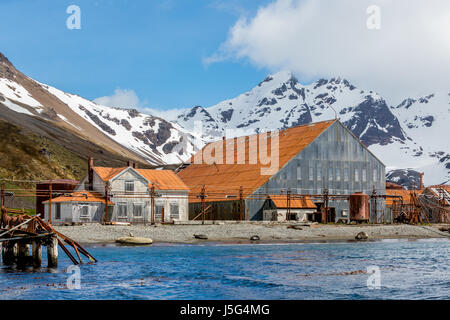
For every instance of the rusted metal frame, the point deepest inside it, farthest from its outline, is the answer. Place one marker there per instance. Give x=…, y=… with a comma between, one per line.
x=203, y=204
x=50, y=204
x=74, y=261
x=26, y=238
x=106, y=213
x=76, y=250
x=241, y=203
x=66, y=251
x=152, y=204
x=19, y=225
x=288, y=204
x=65, y=238
x=203, y=212
x=3, y=195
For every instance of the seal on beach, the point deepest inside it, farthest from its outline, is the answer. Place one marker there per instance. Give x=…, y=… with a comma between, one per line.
x=362, y=236
x=201, y=236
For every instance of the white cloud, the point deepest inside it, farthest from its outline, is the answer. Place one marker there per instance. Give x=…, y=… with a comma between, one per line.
x=123, y=98
x=169, y=115
x=409, y=55
x=127, y=98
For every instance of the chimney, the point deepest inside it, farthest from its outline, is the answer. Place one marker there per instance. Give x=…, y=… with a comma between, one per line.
x=129, y=163
x=91, y=173
x=421, y=180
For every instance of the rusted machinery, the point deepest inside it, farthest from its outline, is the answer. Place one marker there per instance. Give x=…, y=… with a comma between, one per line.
x=20, y=233
x=359, y=207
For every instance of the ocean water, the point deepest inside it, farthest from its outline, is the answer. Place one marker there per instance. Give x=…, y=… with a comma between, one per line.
x=408, y=269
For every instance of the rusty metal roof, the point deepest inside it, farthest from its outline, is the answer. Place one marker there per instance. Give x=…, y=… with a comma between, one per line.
x=405, y=194
x=280, y=202
x=106, y=173
x=227, y=178
x=81, y=196
x=163, y=179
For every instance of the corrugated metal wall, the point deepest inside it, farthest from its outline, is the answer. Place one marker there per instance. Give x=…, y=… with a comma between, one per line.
x=335, y=160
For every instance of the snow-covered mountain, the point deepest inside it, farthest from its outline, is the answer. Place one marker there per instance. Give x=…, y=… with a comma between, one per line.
x=125, y=131
x=408, y=136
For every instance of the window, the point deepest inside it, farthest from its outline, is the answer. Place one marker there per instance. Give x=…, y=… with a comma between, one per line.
x=356, y=174
x=129, y=186
x=158, y=211
x=311, y=173
x=374, y=175
x=138, y=210
x=319, y=173
x=84, y=212
x=346, y=174
x=174, y=211
x=330, y=174
x=364, y=175
x=338, y=174
x=122, y=210
x=58, y=211
x=299, y=173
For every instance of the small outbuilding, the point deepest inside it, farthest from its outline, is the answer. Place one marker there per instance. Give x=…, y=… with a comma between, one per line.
x=276, y=207
x=80, y=206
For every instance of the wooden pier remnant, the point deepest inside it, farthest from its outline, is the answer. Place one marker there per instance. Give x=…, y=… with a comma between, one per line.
x=52, y=252
x=22, y=238
x=37, y=254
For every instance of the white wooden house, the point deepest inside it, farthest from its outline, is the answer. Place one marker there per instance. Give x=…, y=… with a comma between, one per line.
x=129, y=191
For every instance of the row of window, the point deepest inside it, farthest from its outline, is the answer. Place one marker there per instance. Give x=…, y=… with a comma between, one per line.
x=138, y=210
x=335, y=174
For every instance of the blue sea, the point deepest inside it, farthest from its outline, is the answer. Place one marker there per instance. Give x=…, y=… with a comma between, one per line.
x=407, y=269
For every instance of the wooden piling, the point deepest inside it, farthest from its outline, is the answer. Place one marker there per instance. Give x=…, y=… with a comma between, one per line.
x=37, y=254
x=52, y=253
x=22, y=255
x=9, y=253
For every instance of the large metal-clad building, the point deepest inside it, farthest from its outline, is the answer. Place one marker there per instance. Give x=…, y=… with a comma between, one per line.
x=312, y=157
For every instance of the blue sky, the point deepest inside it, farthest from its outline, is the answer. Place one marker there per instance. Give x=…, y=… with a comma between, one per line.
x=155, y=48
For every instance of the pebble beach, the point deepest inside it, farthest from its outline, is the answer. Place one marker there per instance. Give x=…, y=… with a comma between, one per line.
x=243, y=231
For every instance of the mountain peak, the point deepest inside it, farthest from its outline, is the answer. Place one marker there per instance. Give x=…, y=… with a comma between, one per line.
x=4, y=59
x=279, y=78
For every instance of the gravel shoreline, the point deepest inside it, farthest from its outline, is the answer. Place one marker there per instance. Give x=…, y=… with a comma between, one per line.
x=238, y=232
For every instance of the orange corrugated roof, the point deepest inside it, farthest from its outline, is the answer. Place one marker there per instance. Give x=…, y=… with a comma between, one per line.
x=222, y=179
x=81, y=196
x=163, y=179
x=280, y=201
x=106, y=173
x=405, y=194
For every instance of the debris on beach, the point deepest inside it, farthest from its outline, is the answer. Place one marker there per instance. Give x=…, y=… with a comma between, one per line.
x=254, y=238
